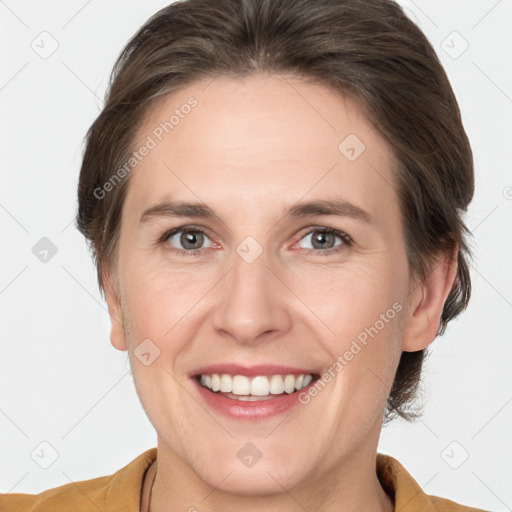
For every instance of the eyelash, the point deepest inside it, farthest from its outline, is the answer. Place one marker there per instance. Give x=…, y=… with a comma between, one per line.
x=346, y=239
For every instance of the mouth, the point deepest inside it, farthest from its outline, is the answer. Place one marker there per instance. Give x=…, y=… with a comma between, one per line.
x=256, y=388
x=252, y=399
x=254, y=393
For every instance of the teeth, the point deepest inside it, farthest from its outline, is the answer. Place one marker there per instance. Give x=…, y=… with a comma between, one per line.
x=241, y=383
x=307, y=380
x=257, y=386
x=215, y=382
x=226, y=384
x=276, y=385
x=289, y=384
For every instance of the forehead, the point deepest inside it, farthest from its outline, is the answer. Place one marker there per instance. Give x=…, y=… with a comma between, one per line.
x=247, y=142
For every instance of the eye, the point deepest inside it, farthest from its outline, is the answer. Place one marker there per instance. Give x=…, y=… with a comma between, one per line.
x=324, y=240
x=188, y=241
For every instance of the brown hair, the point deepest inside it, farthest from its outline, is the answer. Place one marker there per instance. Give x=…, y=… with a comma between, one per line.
x=368, y=50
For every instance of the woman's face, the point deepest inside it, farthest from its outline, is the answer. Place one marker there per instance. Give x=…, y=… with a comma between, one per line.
x=252, y=280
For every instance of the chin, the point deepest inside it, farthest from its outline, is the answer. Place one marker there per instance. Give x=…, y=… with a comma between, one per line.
x=264, y=480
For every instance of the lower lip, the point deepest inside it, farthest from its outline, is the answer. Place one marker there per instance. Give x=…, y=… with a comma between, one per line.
x=245, y=410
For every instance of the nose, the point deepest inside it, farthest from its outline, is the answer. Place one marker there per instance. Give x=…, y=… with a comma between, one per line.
x=252, y=302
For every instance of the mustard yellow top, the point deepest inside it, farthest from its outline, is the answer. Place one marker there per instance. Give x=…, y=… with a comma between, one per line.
x=122, y=491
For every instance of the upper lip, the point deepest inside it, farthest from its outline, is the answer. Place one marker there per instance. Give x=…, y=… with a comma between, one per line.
x=250, y=371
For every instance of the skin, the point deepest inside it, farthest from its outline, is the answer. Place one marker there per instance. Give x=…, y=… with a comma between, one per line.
x=250, y=150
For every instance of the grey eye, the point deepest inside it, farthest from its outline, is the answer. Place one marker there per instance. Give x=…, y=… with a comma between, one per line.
x=322, y=239
x=188, y=239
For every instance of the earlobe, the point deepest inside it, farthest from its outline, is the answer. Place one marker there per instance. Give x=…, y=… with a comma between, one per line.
x=426, y=303
x=112, y=297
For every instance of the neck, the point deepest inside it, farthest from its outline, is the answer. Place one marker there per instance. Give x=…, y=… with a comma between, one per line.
x=351, y=485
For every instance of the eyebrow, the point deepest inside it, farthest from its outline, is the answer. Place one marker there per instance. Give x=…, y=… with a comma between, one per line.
x=336, y=207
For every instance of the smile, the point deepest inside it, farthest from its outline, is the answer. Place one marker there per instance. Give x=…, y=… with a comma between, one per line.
x=260, y=387
x=252, y=398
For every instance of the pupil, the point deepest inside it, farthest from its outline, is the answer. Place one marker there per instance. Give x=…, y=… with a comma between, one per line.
x=321, y=238
x=191, y=238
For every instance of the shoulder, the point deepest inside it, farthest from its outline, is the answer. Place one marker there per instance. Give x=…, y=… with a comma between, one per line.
x=407, y=493
x=80, y=495
x=119, y=491
x=445, y=505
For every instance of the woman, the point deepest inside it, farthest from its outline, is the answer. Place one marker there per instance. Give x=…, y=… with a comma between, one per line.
x=273, y=194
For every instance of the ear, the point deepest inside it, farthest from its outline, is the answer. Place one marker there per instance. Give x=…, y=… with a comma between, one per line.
x=112, y=296
x=426, y=302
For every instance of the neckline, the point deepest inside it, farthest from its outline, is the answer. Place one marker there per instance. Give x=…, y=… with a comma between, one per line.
x=384, y=474
x=147, y=487
x=396, y=481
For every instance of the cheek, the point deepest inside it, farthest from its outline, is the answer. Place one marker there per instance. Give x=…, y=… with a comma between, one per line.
x=157, y=301
x=352, y=297
x=360, y=308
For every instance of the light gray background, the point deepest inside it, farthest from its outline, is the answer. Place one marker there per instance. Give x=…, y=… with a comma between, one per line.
x=63, y=383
